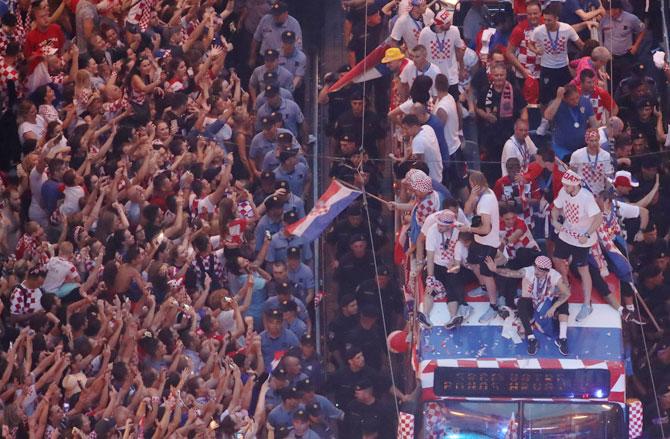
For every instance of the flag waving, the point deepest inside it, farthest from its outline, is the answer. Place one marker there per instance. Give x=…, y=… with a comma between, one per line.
x=367, y=69
x=336, y=198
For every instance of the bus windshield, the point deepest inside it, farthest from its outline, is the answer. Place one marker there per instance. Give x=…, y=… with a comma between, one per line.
x=501, y=420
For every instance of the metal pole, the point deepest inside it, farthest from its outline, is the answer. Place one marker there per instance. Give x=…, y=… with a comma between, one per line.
x=315, y=195
x=666, y=40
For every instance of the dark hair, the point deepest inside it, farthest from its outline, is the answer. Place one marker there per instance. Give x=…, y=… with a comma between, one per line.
x=586, y=73
x=441, y=83
x=554, y=9
x=411, y=120
x=420, y=90
x=547, y=154
x=200, y=242
x=48, y=301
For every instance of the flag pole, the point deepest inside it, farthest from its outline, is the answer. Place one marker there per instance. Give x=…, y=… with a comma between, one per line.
x=351, y=186
x=646, y=308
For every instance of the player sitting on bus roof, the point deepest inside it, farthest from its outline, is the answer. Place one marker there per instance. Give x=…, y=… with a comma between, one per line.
x=445, y=252
x=544, y=295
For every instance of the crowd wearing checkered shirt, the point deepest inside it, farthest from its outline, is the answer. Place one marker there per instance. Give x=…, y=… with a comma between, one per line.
x=153, y=156
x=529, y=145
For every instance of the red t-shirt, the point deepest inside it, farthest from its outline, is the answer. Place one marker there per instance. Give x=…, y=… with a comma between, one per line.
x=36, y=40
x=534, y=172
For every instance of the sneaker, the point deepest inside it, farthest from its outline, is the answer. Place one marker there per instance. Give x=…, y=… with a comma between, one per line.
x=478, y=292
x=503, y=312
x=465, y=311
x=562, y=344
x=454, y=322
x=584, y=312
x=501, y=301
x=533, y=346
x=423, y=319
x=542, y=128
x=489, y=315
x=629, y=316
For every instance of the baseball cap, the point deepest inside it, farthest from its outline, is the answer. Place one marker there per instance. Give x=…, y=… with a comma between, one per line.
x=267, y=175
x=267, y=122
x=283, y=288
x=274, y=314
x=354, y=210
x=270, y=77
x=314, y=409
x=308, y=339
x=285, y=138
x=383, y=270
x=270, y=54
x=288, y=37
x=281, y=184
x=346, y=299
x=278, y=8
x=369, y=311
x=287, y=152
x=271, y=90
x=305, y=385
x=393, y=54
x=625, y=179
x=289, y=392
x=363, y=384
x=356, y=237
x=288, y=306
x=351, y=352
x=273, y=202
x=301, y=415
x=293, y=252
x=291, y=217
x=279, y=373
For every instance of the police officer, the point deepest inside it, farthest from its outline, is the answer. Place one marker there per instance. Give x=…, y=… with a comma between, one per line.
x=338, y=328
x=355, y=266
x=369, y=335
x=271, y=222
x=271, y=27
x=284, y=78
x=293, y=171
x=365, y=408
x=293, y=60
x=367, y=294
x=283, y=239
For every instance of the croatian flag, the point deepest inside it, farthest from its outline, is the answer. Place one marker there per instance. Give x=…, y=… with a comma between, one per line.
x=336, y=198
x=368, y=69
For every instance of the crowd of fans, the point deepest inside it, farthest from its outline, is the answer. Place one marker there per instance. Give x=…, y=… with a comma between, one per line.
x=154, y=154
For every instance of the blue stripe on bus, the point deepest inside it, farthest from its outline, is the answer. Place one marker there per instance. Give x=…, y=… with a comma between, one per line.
x=486, y=342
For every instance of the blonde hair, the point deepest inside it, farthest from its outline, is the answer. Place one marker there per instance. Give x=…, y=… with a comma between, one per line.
x=601, y=53
x=478, y=179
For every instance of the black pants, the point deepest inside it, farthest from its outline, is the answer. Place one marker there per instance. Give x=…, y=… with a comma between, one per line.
x=453, y=283
x=526, y=311
x=621, y=67
x=525, y=257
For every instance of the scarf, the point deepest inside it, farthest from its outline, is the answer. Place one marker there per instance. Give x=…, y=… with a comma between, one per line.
x=447, y=248
x=506, y=100
x=540, y=291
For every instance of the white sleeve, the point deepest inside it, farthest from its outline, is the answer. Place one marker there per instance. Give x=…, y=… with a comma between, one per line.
x=572, y=34
x=418, y=144
x=460, y=252
x=628, y=210
x=431, y=239
x=396, y=32
x=458, y=41
x=559, y=201
x=487, y=204
x=405, y=77
x=591, y=206
x=428, y=222
x=532, y=148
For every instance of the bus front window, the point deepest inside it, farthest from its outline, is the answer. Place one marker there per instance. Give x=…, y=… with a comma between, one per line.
x=572, y=421
x=469, y=420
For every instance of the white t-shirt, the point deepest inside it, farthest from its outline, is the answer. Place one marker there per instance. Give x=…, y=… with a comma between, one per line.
x=554, y=45
x=626, y=210
x=448, y=104
x=407, y=29
x=425, y=142
x=436, y=242
x=578, y=212
x=59, y=271
x=442, y=48
x=530, y=288
x=410, y=73
x=71, y=203
x=432, y=219
x=594, y=169
x=38, y=128
x=488, y=204
x=514, y=148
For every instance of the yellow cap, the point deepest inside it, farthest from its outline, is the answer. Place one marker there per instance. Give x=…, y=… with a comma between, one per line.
x=392, y=54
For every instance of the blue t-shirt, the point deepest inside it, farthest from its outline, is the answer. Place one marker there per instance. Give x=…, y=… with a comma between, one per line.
x=438, y=126
x=570, y=124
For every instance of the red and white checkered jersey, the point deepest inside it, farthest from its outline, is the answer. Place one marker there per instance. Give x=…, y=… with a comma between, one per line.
x=601, y=100
x=525, y=241
x=521, y=35
x=25, y=300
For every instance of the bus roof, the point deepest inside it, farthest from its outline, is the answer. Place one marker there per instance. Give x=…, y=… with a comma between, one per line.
x=595, y=342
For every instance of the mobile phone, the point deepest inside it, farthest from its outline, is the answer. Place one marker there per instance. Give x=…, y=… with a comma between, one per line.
x=268, y=235
x=66, y=407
